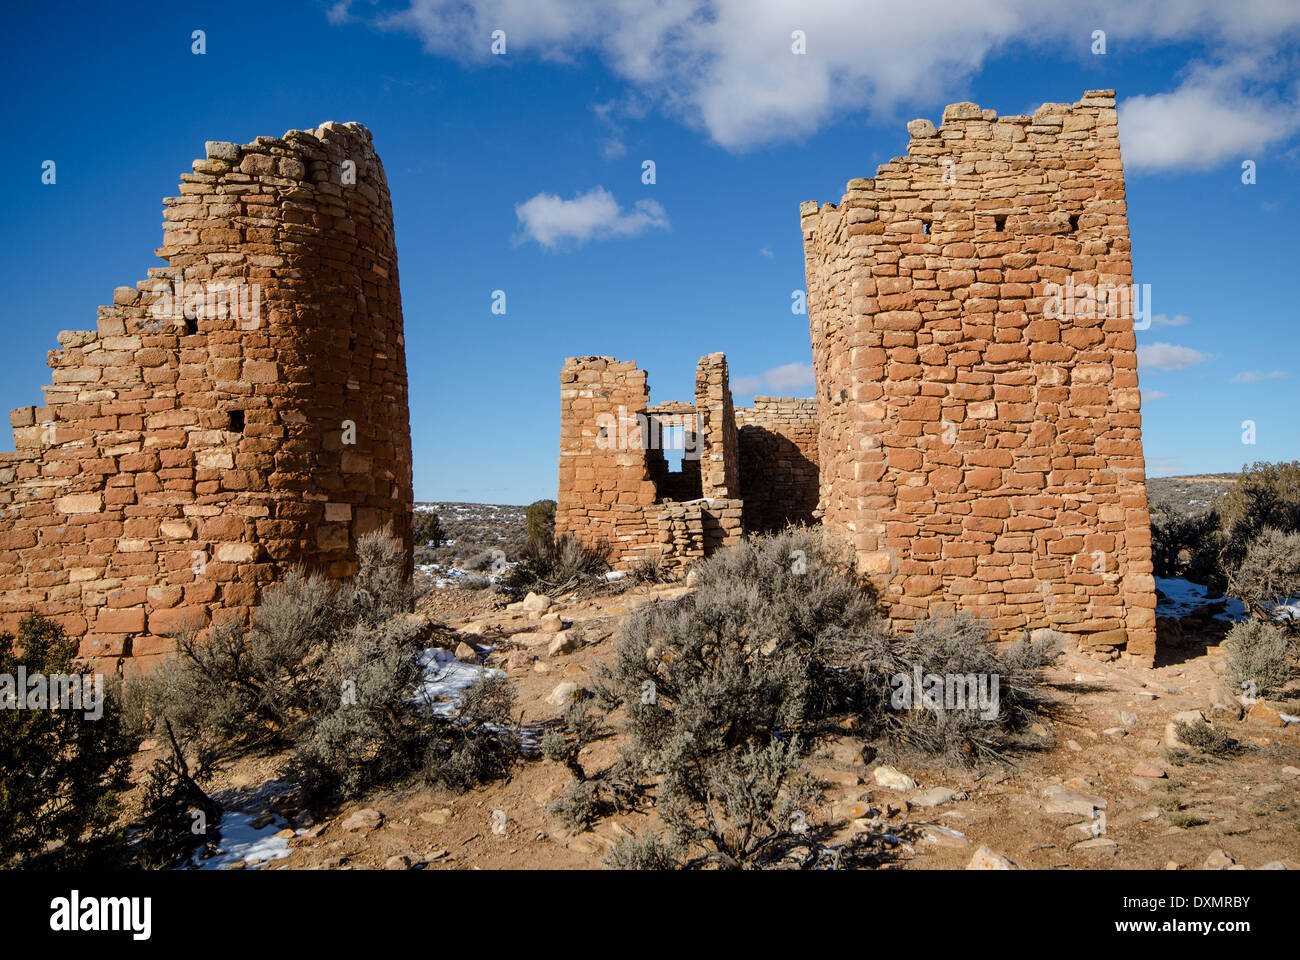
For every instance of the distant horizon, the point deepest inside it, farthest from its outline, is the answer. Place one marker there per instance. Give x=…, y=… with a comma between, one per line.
x=483, y=503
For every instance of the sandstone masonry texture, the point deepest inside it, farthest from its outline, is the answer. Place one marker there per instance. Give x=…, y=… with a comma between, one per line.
x=615, y=485
x=181, y=463
x=978, y=453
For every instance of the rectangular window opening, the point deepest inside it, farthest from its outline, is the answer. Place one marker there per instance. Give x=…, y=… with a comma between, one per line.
x=673, y=441
x=236, y=420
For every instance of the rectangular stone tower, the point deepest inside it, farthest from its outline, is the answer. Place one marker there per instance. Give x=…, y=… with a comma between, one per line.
x=973, y=339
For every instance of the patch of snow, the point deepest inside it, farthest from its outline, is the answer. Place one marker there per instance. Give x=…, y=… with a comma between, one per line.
x=444, y=578
x=241, y=841
x=1286, y=611
x=616, y=575
x=1181, y=597
x=445, y=681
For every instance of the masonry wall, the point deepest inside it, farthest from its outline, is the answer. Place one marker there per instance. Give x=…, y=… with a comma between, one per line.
x=178, y=465
x=605, y=477
x=777, y=443
x=614, y=486
x=977, y=453
x=719, y=453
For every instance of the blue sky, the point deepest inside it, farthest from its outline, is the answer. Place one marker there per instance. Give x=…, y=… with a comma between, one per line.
x=523, y=173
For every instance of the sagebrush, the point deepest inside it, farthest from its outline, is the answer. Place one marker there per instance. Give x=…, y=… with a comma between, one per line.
x=62, y=769
x=333, y=673
x=726, y=689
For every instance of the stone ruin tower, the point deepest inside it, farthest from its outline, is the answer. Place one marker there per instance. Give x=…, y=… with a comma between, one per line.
x=242, y=410
x=979, y=448
x=750, y=468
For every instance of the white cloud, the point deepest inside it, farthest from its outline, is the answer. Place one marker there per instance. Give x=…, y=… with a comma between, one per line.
x=726, y=66
x=594, y=215
x=1256, y=376
x=782, y=381
x=612, y=148
x=1150, y=395
x=1167, y=356
x=765, y=252
x=1161, y=320
x=340, y=12
x=1166, y=131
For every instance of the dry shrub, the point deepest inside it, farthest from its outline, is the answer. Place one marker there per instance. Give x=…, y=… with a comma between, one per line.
x=331, y=671
x=1260, y=657
x=1269, y=573
x=724, y=688
x=717, y=684
x=649, y=852
x=958, y=648
x=649, y=569
x=554, y=566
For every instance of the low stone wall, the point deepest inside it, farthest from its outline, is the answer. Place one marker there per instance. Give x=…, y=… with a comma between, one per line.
x=691, y=531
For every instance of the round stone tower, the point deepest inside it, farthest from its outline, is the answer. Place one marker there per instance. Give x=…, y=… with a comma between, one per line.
x=242, y=411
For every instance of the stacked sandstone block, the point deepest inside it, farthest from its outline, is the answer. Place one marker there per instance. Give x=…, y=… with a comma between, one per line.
x=778, y=462
x=614, y=489
x=179, y=464
x=606, y=494
x=979, y=453
x=681, y=534
x=719, y=455
x=694, y=529
x=723, y=522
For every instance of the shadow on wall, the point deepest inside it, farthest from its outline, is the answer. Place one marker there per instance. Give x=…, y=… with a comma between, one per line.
x=778, y=483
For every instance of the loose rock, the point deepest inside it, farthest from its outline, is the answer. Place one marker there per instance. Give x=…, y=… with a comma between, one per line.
x=1149, y=770
x=366, y=818
x=887, y=776
x=1218, y=860
x=986, y=859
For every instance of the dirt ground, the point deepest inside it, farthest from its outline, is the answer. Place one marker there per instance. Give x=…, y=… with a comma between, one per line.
x=1113, y=718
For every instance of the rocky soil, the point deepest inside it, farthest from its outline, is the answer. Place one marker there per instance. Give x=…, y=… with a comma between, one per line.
x=1107, y=794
